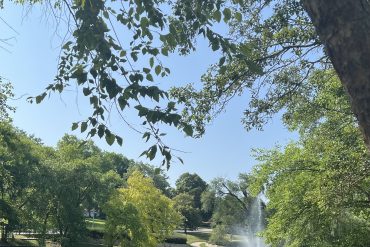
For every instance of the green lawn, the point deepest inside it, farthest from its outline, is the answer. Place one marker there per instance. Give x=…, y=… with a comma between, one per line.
x=19, y=242
x=95, y=224
x=193, y=237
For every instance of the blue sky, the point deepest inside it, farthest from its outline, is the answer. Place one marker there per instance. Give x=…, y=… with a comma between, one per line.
x=31, y=62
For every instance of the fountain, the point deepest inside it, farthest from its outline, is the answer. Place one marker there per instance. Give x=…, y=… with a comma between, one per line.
x=255, y=222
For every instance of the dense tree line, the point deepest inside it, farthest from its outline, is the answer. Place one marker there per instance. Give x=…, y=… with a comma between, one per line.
x=318, y=187
x=49, y=190
x=46, y=189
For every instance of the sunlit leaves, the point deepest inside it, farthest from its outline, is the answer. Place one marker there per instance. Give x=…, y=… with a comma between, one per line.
x=141, y=211
x=107, y=68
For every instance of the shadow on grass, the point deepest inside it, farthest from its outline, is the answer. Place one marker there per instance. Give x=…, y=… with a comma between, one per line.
x=200, y=235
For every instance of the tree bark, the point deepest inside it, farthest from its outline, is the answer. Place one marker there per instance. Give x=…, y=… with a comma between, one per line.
x=343, y=26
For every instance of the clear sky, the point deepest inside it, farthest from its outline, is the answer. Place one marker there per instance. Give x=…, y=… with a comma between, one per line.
x=30, y=62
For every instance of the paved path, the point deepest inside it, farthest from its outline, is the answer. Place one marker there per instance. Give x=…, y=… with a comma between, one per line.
x=198, y=244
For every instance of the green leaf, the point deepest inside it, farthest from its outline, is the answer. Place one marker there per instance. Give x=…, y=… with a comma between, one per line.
x=238, y=16
x=134, y=56
x=86, y=91
x=151, y=62
x=164, y=51
x=119, y=140
x=227, y=14
x=106, y=14
x=152, y=152
x=149, y=77
x=110, y=138
x=74, y=126
x=158, y=69
x=188, y=130
x=157, y=171
x=217, y=15
x=83, y=126
x=66, y=45
x=222, y=61
x=146, y=136
x=122, y=53
x=182, y=162
x=122, y=102
x=40, y=98
x=101, y=130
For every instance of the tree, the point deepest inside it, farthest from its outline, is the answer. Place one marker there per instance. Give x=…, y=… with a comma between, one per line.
x=151, y=216
x=193, y=185
x=343, y=28
x=231, y=203
x=20, y=157
x=5, y=94
x=116, y=162
x=321, y=180
x=69, y=180
x=270, y=37
x=158, y=175
x=191, y=217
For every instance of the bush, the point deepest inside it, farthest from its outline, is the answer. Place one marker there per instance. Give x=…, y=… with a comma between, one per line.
x=218, y=235
x=175, y=240
x=96, y=234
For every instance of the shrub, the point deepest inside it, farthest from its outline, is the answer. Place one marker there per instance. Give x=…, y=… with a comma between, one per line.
x=175, y=240
x=96, y=234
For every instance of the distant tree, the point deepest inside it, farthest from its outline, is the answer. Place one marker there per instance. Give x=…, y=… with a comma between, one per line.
x=148, y=217
x=208, y=201
x=191, y=216
x=231, y=203
x=158, y=175
x=116, y=162
x=5, y=94
x=193, y=185
x=70, y=179
x=19, y=162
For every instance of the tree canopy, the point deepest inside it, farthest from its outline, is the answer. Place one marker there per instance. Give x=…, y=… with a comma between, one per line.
x=140, y=215
x=323, y=179
x=265, y=40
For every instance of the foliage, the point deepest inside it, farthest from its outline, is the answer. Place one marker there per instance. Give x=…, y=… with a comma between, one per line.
x=218, y=235
x=175, y=240
x=5, y=94
x=193, y=185
x=105, y=65
x=274, y=38
x=318, y=187
x=140, y=215
x=230, y=202
x=158, y=176
x=116, y=162
x=191, y=217
x=19, y=158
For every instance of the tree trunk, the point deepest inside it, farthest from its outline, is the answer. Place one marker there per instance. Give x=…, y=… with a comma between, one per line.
x=42, y=241
x=343, y=26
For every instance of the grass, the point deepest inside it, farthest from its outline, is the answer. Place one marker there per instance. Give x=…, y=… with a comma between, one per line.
x=19, y=242
x=193, y=237
x=95, y=224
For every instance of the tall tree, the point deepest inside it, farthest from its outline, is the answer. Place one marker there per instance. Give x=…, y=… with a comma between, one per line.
x=158, y=175
x=191, y=217
x=323, y=179
x=5, y=94
x=343, y=27
x=140, y=215
x=19, y=160
x=193, y=185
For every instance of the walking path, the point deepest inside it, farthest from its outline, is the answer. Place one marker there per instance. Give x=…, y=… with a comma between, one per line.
x=198, y=244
